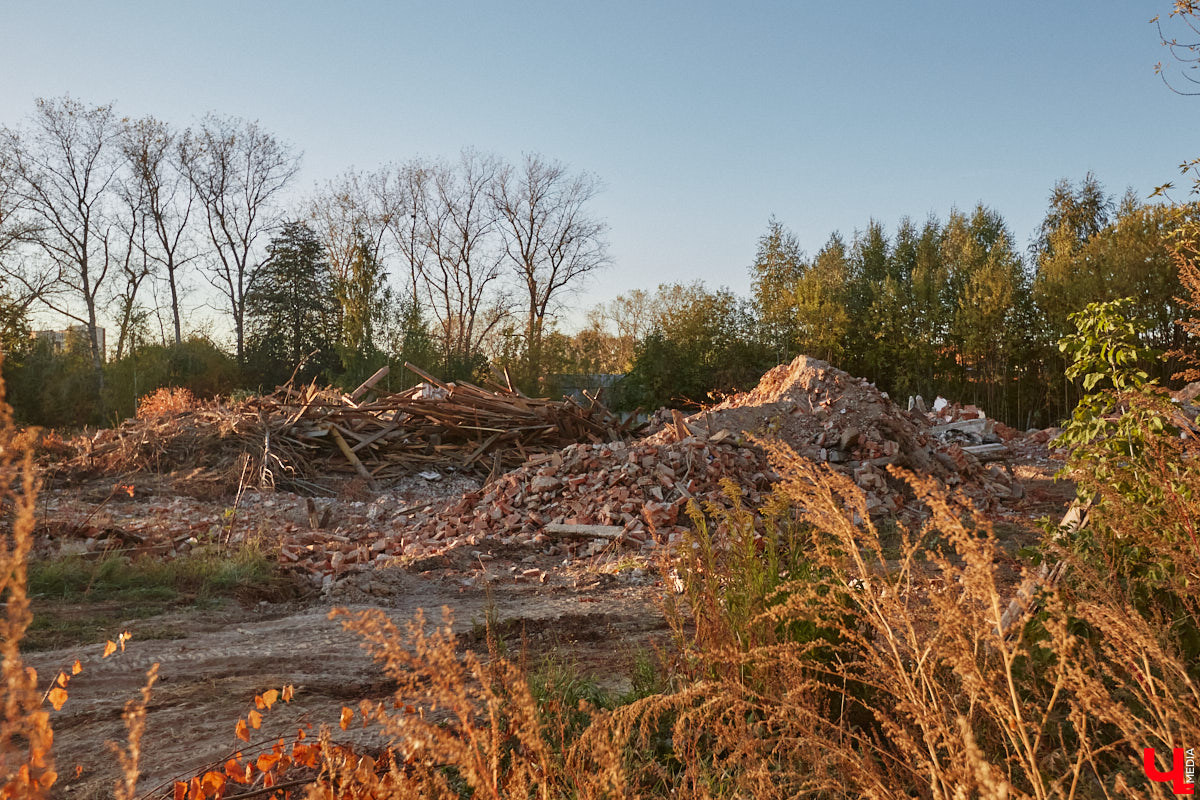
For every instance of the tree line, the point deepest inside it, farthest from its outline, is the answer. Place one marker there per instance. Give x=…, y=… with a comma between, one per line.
x=464, y=265
x=138, y=227
x=952, y=307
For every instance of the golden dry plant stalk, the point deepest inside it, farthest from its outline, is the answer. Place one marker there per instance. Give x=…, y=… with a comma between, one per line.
x=455, y=720
x=26, y=761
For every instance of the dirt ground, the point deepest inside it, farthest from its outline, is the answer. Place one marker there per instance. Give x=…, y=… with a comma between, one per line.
x=596, y=611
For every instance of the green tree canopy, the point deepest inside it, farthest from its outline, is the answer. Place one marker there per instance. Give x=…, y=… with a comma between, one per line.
x=702, y=342
x=779, y=265
x=292, y=310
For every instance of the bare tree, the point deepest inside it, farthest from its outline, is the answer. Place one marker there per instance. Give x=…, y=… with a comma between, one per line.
x=629, y=317
x=14, y=230
x=130, y=254
x=238, y=171
x=156, y=174
x=550, y=241
x=461, y=275
x=402, y=196
x=15, y=227
x=64, y=166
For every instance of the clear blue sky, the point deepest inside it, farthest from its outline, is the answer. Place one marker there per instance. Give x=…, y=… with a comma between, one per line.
x=702, y=119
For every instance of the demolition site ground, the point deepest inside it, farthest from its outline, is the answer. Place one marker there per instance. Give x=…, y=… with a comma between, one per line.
x=227, y=583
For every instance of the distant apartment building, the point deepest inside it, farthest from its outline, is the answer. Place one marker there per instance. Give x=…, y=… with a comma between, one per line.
x=72, y=339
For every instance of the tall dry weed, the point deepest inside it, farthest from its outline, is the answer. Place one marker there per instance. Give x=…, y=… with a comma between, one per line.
x=460, y=725
x=913, y=691
x=868, y=668
x=26, y=762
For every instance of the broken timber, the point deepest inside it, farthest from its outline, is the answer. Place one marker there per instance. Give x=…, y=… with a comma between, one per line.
x=379, y=436
x=1024, y=604
x=586, y=531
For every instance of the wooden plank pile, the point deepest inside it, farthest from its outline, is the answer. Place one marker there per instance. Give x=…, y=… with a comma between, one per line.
x=298, y=435
x=434, y=425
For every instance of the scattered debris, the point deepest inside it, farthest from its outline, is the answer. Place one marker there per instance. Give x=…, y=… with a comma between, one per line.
x=575, y=485
x=296, y=436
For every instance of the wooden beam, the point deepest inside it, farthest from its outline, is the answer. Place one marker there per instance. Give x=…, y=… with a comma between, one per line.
x=586, y=531
x=366, y=385
x=352, y=458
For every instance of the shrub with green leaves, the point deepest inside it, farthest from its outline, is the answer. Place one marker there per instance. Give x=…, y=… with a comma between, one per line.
x=1121, y=406
x=1128, y=460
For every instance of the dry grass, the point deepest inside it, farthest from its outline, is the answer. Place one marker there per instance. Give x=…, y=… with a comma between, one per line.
x=862, y=677
x=166, y=401
x=26, y=761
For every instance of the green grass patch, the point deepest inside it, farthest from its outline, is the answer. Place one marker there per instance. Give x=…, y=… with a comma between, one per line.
x=76, y=579
x=57, y=625
x=80, y=601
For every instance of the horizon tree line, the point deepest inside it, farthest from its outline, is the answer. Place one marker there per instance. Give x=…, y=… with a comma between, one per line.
x=464, y=264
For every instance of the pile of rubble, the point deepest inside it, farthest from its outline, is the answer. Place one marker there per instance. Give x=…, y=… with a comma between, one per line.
x=968, y=426
x=830, y=416
x=637, y=492
x=590, y=496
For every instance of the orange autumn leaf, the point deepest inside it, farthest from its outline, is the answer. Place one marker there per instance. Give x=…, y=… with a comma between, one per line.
x=110, y=647
x=212, y=783
x=180, y=790
x=266, y=761
x=76, y=668
x=235, y=770
x=242, y=731
x=305, y=754
x=289, y=691
x=269, y=697
x=255, y=719
x=58, y=696
x=347, y=715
